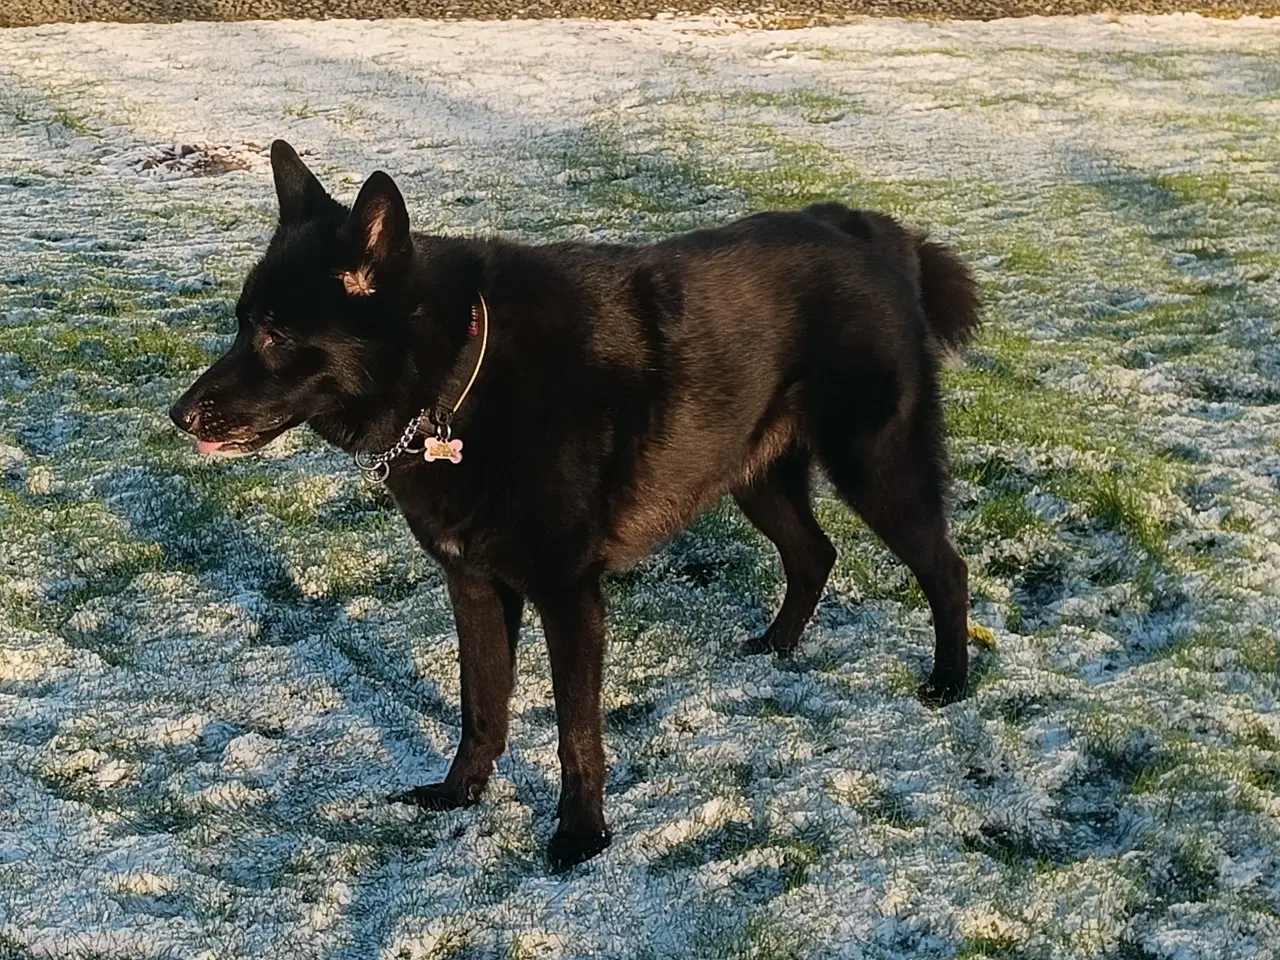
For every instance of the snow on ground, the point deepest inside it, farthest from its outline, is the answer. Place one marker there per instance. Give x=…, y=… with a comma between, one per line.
x=211, y=674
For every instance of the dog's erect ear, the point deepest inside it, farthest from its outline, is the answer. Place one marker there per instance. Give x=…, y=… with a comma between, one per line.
x=378, y=232
x=297, y=188
x=379, y=222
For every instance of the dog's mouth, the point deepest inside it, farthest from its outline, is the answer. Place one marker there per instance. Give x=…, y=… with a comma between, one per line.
x=242, y=444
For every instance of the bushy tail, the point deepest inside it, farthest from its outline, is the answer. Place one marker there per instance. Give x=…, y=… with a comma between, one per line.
x=948, y=293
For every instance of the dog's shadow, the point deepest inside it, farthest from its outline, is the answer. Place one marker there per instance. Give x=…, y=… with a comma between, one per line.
x=380, y=684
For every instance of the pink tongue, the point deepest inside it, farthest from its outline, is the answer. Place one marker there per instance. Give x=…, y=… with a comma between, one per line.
x=208, y=446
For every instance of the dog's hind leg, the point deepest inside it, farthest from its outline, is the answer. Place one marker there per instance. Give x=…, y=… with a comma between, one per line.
x=487, y=615
x=900, y=493
x=777, y=503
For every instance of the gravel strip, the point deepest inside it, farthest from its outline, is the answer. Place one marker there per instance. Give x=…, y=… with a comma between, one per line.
x=799, y=13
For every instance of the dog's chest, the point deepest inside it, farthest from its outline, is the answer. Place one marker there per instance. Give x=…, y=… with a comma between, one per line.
x=434, y=514
x=454, y=542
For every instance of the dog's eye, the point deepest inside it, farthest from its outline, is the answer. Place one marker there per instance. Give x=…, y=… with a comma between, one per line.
x=269, y=338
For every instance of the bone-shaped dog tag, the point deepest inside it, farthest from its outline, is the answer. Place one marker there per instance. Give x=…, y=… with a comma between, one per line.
x=437, y=449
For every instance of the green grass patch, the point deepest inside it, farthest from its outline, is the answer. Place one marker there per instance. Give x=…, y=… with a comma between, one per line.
x=1195, y=187
x=76, y=124
x=1116, y=502
x=124, y=355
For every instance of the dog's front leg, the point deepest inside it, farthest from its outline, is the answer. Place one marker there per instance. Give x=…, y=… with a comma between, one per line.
x=487, y=615
x=573, y=619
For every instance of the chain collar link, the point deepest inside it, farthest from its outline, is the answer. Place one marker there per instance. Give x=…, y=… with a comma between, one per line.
x=376, y=467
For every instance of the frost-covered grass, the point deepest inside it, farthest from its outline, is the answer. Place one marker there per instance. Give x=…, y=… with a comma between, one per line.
x=212, y=673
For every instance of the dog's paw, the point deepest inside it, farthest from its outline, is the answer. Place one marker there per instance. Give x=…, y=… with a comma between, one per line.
x=431, y=796
x=936, y=692
x=570, y=848
x=767, y=642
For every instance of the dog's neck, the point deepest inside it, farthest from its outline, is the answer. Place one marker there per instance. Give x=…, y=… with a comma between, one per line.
x=365, y=425
x=371, y=424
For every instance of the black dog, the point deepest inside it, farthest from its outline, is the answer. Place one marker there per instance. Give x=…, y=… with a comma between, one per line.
x=545, y=414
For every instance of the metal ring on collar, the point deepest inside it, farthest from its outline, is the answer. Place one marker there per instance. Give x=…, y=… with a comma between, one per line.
x=376, y=474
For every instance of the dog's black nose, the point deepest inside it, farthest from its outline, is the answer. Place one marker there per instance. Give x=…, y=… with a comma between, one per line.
x=185, y=416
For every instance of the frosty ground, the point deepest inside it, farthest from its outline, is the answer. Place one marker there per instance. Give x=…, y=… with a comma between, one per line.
x=212, y=673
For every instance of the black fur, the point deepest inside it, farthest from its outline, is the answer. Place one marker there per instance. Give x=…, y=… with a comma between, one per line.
x=624, y=389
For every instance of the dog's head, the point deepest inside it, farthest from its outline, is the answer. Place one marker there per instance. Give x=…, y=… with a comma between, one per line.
x=321, y=318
